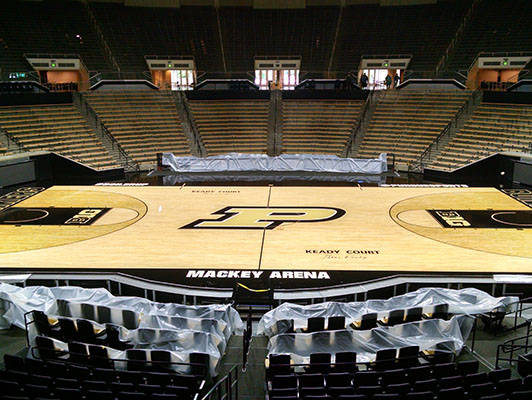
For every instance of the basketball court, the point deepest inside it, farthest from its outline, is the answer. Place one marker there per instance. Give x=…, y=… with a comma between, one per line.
x=420, y=229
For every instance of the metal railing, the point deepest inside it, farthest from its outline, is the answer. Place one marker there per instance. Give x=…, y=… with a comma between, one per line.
x=434, y=146
x=246, y=340
x=456, y=37
x=129, y=163
x=121, y=75
x=226, y=388
x=181, y=102
x=358, y=127
x=11, y=138
x=512, y=347
x=101, y=36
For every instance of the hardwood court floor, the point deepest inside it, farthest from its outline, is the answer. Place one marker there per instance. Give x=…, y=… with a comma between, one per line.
x=307, y=228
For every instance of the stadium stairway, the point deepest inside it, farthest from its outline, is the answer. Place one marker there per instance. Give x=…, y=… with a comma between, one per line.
x=274, y=141
x=97, y=126
x=190, y=130
x=7, y=146
x=372, y=100
x=59, y=128
x=438, y=146
x=250, y=383
x=493, y=128
x=406, y=122
x=142, y=122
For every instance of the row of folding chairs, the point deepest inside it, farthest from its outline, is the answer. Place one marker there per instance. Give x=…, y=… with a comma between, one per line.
x=446, y=394
x=366, y=321
x=336, y=385
x=36, y=392
x=136, y=359
x=466, y=370
x=78, y=330
x=397, y=376
x=74, y=389
x=385, y=359
x=129, y=319
x=22, y=370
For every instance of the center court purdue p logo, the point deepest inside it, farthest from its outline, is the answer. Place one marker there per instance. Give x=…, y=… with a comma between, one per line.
x=265, y=217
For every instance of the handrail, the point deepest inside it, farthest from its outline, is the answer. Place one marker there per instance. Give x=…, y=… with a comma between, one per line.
x=356, y=129
x=148, y=76
x=247, y=337
x=182, y=98
x=446, y=130
x=129, y=162
x=524, y=73
x=458, y=33
x=509, y=346
x=229, y=382
x=101, y=36
x=9, y=136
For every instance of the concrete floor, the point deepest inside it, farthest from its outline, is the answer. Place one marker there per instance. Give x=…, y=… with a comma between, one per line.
x=12, y=341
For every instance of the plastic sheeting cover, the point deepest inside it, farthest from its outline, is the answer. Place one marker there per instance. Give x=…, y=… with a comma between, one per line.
x=179, y=356
x=433, y=334
x=465, y=301
x=284, y=162
x=16, y=301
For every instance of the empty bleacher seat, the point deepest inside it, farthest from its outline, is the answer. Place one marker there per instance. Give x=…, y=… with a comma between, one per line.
x=406, y=122
x=492, y=128
x=143, y=122
x=318, y=126
x=59, y=128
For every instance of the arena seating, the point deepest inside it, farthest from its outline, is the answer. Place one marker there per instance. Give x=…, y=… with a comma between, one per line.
x=372, y=30
x=47, y=27
x=59, y=128
x=406, y=122
x=336, y=371
x=458, y=381
x=32, y=378
x=143, y=122
x=122, y=333
x=226, y=126
x=133, y=32
x=308, y=33
x=493, y=128
x=495, y=26
x=318, y=126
